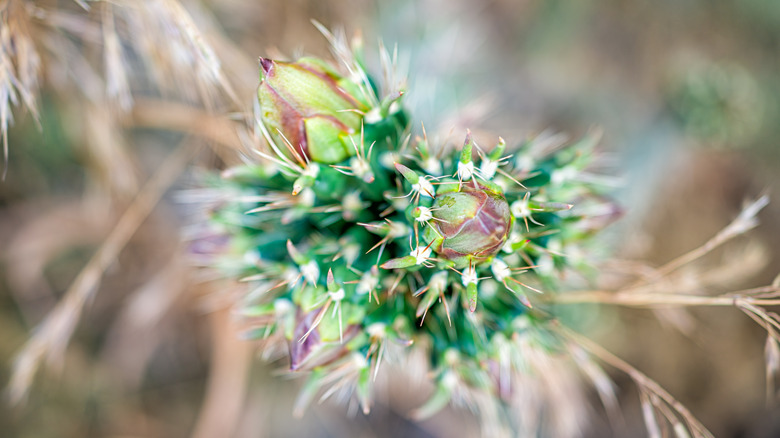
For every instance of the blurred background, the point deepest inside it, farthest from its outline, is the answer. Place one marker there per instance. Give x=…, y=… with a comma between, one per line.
x=116, y=110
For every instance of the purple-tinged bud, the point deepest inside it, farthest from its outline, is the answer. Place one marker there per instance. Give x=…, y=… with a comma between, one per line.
x=469, y=225
x=310, y=106
x=316, y=340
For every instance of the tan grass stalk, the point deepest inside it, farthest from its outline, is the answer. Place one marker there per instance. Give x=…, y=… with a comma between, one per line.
x=744, y=222
x=628, y=299
x=658, y=397
x=117, y=85
x=19, y=67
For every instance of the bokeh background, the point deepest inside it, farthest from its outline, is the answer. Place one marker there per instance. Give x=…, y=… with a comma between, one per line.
x=686, y=92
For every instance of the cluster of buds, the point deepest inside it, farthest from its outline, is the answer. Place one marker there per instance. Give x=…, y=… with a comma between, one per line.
x=354, y=244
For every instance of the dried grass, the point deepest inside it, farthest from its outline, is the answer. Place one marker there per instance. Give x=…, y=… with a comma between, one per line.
x=100, y=58
x=655, y=400
x=41, y=238
x=19, y=66
x=662, y=289
x=51, y=338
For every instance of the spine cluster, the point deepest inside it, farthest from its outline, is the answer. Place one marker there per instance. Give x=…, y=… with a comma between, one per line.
x=359, y=239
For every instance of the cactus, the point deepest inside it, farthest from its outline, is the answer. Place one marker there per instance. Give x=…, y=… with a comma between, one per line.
x=357, y=235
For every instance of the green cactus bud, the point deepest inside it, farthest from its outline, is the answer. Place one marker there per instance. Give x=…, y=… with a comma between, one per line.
x=309, y=106
x=470, y=225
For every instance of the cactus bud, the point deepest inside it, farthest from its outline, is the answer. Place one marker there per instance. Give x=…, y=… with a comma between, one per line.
x=471, y=224
x=310, y=106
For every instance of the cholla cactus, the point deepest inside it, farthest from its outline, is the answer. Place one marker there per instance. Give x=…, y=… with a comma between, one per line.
x=357, y=235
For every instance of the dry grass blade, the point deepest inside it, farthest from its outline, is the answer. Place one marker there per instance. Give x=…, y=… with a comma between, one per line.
x=744, y=222
x=117, y=86
x=19, y=67
x=175, y=53
x=772, y=354
x=749, y=301
x=770, y=321
x=678, y=293
x=605, y=387
x=651, y=420
x=646, y=384
x=110, y=154
x=50, y=339
x=201, y=47
x=666, y=299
